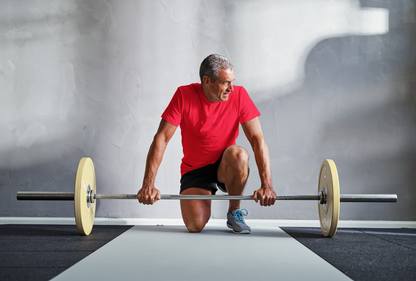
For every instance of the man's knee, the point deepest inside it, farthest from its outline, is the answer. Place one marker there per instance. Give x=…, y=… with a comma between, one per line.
x=238, y=155
x=195, y=226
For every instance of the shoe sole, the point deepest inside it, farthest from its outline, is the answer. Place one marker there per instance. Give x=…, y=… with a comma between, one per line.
x=244, y=231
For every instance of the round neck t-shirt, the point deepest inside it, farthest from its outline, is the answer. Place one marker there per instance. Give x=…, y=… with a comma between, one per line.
x=207, y=128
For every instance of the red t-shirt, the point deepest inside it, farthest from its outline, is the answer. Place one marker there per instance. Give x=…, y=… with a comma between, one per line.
x=207, y=128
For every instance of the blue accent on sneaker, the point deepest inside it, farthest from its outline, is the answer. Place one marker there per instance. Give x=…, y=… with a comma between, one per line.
x=236, y=222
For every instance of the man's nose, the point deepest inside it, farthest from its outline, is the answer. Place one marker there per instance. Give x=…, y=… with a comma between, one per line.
x=230, y=87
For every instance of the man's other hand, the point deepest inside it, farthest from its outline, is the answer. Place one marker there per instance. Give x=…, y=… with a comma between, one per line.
x=148, y=196
x=267, y=196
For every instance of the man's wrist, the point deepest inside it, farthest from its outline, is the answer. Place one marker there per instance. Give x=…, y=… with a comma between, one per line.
x=267, y=185
x=147, y=185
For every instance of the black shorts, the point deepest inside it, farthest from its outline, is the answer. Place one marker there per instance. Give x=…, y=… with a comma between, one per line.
x=205, y=178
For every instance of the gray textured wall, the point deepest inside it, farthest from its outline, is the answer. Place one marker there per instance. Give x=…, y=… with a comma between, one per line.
x=333, y=79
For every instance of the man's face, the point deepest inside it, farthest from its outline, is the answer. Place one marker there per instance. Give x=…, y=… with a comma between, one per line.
x=222, y=87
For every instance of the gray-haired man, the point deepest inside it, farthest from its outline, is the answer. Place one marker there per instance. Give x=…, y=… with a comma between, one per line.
x=209, y=115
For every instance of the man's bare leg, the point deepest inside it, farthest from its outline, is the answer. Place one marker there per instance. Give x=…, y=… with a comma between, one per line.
x=196, y=213
x=233, y=172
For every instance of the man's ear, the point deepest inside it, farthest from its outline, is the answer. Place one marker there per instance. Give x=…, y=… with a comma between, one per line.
x=206, y=80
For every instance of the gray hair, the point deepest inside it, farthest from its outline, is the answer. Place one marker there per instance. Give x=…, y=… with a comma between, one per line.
x=212, y=65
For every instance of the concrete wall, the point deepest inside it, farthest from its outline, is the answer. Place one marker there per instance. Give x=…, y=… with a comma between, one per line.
x=332, y=79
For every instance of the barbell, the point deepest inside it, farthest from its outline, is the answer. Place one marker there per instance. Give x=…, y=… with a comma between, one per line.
x=85, y=196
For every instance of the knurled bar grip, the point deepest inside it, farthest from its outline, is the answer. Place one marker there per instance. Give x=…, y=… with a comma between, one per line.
x=39, y=195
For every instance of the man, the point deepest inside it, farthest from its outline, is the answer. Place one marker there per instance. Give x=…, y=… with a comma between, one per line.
x=209, y=115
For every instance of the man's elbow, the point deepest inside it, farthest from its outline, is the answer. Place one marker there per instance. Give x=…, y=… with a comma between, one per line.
x=161, y=139
x=258, y=143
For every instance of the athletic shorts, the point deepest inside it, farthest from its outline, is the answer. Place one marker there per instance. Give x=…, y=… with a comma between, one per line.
x=205, y=178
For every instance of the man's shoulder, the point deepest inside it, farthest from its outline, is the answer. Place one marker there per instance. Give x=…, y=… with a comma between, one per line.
x=239, y=91
x=189, y=88
x=239, y=88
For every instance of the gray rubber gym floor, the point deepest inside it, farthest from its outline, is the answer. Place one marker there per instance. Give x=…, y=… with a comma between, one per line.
x=42, y=252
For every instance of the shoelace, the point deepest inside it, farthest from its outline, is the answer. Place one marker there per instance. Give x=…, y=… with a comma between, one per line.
x=239, y=215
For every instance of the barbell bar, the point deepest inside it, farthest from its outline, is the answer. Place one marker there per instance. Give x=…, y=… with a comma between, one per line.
x=69, y=196
x=85, y=197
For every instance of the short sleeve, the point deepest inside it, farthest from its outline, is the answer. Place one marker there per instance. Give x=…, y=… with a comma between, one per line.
x=248, y=110
x=173, y=113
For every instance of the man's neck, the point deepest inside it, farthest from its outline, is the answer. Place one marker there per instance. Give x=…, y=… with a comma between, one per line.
x=205, y=91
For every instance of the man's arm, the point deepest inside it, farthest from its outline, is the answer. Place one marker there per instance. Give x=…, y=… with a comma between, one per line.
x=148, y=194
x=254, y=134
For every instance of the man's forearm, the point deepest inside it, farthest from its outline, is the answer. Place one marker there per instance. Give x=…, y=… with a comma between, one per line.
x=154, y=158
x=261, y=153
x=266, y=194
